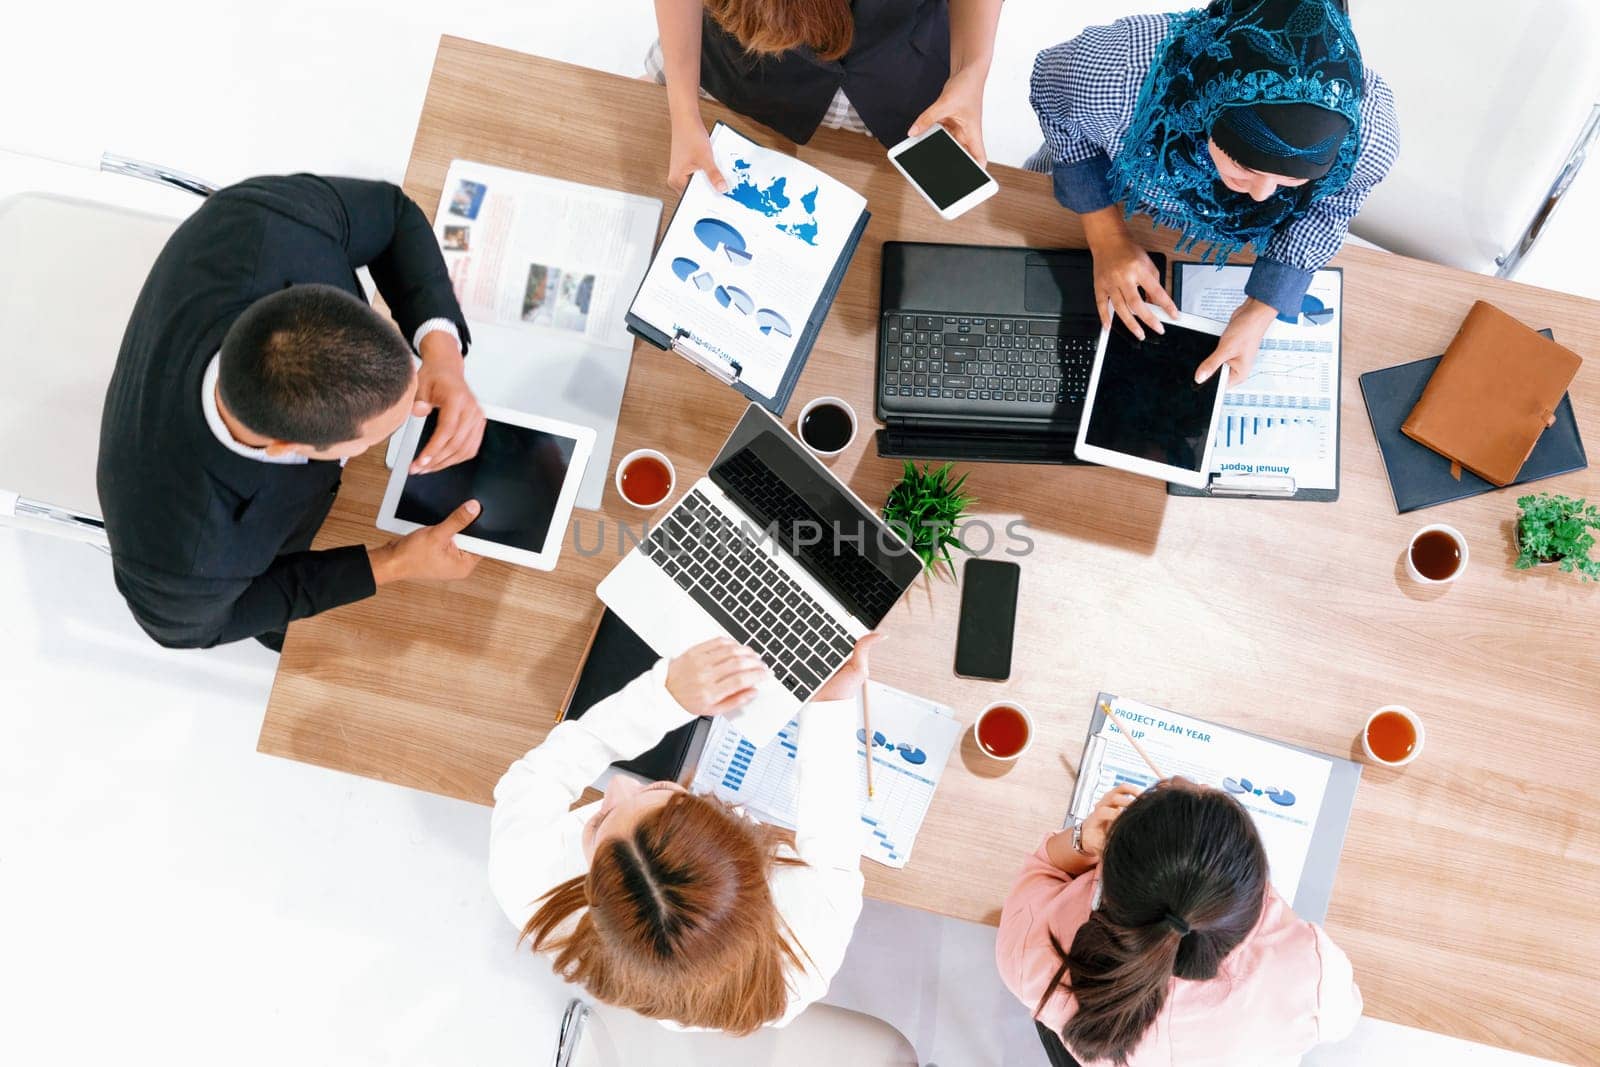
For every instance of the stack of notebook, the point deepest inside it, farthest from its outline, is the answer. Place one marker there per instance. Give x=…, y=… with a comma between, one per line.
x=1491, y=412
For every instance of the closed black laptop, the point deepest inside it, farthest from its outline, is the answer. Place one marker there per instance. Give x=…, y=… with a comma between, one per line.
x=984, y=352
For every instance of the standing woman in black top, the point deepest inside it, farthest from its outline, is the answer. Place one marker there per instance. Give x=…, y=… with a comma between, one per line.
x=890, y=68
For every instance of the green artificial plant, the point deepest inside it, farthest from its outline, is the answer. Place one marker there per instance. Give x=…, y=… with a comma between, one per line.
x=925, y=509
x=1556, y=529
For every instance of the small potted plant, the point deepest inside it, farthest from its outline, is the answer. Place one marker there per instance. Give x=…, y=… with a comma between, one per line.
x=1556, y=529
x=925, y=508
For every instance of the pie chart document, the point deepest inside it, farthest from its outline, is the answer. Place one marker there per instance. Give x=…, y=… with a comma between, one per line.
x=746, y=277
x=1299, y=800
x=1283, y=420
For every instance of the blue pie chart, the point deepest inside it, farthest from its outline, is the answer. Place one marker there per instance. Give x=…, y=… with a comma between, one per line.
x=716, y=234
x=730, y=296
x=770, y=322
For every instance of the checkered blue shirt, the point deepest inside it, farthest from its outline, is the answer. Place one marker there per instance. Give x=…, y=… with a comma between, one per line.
x=1084, y=92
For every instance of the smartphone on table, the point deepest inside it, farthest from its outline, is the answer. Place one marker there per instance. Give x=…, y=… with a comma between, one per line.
x=988, y=619
x=941, y=170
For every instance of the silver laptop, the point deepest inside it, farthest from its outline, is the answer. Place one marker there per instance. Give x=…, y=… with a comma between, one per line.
x=772, y=550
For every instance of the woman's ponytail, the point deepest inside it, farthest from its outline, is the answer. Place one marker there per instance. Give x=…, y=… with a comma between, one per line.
x=1183, y=879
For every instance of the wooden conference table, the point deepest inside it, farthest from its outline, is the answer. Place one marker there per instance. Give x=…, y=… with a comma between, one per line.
x=1466, y=896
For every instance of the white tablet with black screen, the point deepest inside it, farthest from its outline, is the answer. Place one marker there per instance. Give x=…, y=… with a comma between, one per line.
x=525, y=476
x=1143, y=412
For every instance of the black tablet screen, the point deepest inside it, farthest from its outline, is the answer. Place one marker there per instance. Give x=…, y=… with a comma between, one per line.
x=517, y=476
x=1147, y=404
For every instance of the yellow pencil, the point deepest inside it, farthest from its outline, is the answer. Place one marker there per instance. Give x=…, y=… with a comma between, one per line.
x=1137, y=747
x=866, y=723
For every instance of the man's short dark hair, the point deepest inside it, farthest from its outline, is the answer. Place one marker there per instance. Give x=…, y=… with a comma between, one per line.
x=311, y=364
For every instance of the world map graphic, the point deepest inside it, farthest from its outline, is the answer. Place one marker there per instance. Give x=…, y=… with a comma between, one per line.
x=774, y=201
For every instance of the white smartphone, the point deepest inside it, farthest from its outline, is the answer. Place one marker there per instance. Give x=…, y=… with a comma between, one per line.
x=941, y=170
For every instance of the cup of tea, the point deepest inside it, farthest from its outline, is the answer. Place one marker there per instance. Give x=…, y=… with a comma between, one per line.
x=646, y=478
x=1393, y=736
x=827, y=426
x=1437, y=555
x=1004, y=730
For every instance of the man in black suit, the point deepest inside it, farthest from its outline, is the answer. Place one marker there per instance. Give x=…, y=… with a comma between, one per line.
x=252, y=368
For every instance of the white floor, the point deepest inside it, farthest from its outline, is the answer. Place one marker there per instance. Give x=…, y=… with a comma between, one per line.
x=166, y=893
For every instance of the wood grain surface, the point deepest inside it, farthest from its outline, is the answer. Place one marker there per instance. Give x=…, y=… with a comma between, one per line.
x=1467, y=891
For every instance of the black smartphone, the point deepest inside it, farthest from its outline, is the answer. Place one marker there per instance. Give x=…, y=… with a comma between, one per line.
x=988, y=619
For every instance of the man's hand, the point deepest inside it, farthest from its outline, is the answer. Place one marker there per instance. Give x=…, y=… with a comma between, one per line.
x=1121, y=269
x=442, y=384
x=1240, y=342
x=715, y=677
x=691, y=151
x=853, y=675
x=429, y=553
x=959, y=109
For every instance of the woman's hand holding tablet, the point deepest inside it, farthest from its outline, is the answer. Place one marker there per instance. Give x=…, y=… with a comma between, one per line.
x=1144, y=412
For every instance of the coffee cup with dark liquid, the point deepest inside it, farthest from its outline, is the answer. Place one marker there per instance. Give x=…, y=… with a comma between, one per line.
x=1393, y=736
x=1004, y=730
x=827, y=426
x=1437, y=555
x=646, y=478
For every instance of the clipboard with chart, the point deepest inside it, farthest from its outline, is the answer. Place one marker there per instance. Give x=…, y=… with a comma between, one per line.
x=1299, y=800
x=742, y=280
x=1278, y=437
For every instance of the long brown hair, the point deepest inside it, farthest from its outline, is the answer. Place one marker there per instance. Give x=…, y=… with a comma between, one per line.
x=768, y=27
x=677, y=920
x=1183, y=879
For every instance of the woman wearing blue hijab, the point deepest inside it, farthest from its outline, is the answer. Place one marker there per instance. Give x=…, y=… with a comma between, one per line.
x=1249, y=123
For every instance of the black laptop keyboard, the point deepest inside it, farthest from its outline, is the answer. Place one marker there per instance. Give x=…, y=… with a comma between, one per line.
x=746, y=592
x=760, y=490
x=981, y=358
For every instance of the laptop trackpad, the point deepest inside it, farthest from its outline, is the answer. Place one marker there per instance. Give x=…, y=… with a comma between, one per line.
x=1058, y=285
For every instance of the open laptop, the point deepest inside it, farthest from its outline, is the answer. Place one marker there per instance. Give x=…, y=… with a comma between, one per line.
x=984, y=352
x=772, y=550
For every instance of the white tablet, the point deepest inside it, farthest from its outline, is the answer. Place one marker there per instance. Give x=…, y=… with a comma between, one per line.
x=525, y=476
x=1143, y=412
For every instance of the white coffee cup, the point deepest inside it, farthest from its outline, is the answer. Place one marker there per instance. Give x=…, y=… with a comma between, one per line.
x=647, y=453
x=1416, y=724
x=1026, y=718
x=1456, y=536
x=834, y=401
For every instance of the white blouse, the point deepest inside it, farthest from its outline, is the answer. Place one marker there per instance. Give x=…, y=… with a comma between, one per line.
x=536, y=843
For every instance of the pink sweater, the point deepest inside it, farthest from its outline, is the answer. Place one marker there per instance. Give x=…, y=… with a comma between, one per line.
x=1283, y=990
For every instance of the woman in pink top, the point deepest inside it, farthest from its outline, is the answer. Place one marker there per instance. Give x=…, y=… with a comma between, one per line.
x=1156, y=938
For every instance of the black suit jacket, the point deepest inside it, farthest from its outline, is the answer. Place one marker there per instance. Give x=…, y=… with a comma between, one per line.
x=209, y=546
x=898, y=62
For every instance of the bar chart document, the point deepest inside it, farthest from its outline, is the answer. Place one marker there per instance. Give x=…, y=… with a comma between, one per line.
x=911, y=741
x=1283, y=420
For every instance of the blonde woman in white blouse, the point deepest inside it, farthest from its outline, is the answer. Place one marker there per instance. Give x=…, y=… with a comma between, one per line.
x=672, y=904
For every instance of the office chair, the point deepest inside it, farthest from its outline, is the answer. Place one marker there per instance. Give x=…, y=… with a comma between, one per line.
x=74, y=269
x=1493, y=102
x=601, y=1036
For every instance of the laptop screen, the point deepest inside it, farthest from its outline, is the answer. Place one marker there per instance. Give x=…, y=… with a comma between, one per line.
x=791, y=496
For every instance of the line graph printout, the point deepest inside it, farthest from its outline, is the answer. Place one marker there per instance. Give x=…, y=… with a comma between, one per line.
x=1282, y=420
x=911, y=741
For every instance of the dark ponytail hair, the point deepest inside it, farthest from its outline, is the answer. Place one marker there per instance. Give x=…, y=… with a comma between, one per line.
x=1183, y=880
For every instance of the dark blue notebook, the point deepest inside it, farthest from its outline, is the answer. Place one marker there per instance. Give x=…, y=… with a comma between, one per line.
x=1420, y=477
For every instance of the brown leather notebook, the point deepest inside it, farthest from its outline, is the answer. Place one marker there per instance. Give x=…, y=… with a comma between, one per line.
x=1492, y=395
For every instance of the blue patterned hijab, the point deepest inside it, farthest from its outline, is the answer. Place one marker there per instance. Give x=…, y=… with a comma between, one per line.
x=1234, y=61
